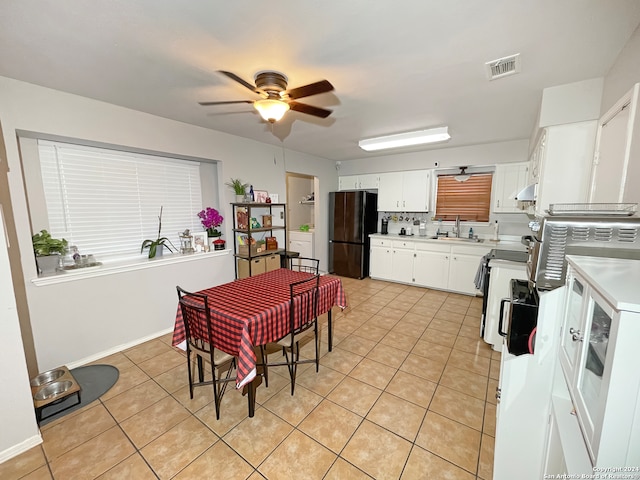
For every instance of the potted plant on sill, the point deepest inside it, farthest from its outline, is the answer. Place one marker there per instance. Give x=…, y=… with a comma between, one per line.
x=156, y=247
x=48, y=251
x=211, y=220
x=238, y=188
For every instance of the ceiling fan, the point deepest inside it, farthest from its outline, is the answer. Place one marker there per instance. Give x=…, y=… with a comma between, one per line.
x=276, y=99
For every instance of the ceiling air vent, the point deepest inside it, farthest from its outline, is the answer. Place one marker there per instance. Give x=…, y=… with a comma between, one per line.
x=503, y=67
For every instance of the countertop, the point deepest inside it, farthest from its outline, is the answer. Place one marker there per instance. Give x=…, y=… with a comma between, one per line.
x=616, y=279
x=505, y=243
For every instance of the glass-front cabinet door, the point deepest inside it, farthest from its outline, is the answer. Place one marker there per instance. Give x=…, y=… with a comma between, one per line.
x=572, y=331
x=593, y=363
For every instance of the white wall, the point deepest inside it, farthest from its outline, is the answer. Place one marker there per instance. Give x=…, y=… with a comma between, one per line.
x=624, y=73
x=19, y=428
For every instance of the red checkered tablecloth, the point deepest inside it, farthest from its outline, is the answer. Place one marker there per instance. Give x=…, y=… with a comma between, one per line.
x=255, y=311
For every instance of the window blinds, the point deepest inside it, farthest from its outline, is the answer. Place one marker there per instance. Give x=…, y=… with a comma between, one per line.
x=107, y=202
x=471, y=200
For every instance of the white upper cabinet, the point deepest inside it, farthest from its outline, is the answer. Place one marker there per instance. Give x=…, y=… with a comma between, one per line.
x=367, y=181
x=404, y=191
x=562, y=157
x=616, y=161
x=508, y=181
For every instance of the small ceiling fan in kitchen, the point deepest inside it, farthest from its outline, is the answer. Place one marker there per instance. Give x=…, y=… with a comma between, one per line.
x=276, y=99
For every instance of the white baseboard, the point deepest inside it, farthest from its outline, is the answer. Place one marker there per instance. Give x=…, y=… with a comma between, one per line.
x=21, y=447
x=117, y=349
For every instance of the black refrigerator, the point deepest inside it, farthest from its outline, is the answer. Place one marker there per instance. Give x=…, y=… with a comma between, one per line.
x=354, y=217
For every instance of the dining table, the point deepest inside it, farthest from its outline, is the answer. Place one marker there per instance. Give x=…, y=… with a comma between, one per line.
x=254, y=311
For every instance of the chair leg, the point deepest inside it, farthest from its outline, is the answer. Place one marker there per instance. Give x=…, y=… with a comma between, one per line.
x=293, y=366
x=317, y=348
x=190, y=376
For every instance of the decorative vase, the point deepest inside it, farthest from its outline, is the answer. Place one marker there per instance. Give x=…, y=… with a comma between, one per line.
x=211, y=240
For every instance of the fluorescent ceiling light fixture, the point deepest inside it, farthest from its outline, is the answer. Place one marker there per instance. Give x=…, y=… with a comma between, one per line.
x=420, y=137
x=271, y=110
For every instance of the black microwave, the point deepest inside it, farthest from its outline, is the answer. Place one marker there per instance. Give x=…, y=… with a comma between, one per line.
x=521, y=319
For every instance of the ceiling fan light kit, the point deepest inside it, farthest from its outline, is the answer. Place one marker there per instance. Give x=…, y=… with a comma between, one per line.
x=420, y=137
x=276, y=99
x=271, y=110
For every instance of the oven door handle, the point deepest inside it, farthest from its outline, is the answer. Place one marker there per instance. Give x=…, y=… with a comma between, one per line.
x=502, y=302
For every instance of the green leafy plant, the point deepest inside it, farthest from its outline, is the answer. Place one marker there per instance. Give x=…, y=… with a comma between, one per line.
x=160, y=241
x=237, y=186
x=44, y=244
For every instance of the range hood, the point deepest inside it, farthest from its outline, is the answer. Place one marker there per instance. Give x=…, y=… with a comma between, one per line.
x=527, y=194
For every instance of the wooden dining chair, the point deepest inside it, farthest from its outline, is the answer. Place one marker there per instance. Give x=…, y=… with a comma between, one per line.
x=197, y=323
x=304, y=264
x=303, y=319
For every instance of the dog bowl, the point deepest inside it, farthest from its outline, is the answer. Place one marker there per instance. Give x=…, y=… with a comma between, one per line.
x=47, y=377
x=52, y=390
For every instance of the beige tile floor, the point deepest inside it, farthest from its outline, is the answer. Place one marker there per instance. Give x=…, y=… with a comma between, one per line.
x=406, y=393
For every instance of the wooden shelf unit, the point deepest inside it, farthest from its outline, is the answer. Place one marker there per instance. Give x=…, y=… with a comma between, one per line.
x=251, y=262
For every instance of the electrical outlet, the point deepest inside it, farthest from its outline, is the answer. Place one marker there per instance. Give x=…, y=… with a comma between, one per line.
x=281, y=215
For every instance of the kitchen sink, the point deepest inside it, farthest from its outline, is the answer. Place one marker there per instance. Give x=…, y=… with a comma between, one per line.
x=460, y=239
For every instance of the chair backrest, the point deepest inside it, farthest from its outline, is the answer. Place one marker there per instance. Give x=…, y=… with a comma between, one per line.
x=304, y=264
x=197, y=319
x=303, y=303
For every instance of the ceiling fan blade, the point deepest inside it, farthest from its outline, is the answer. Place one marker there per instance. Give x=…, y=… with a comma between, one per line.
x=316, y=88
x=242, y=82
x=205, y=104
x=309, y=110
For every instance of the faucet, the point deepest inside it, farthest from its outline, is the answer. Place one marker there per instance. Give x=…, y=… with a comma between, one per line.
x=457, y=227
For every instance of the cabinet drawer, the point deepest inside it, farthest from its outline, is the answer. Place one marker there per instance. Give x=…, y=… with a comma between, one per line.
x=403, y=244
x=433, y=247
x=380, y=242
x=479, y=250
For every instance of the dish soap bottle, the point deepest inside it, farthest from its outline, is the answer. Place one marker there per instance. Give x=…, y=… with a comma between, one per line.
x=471, y=233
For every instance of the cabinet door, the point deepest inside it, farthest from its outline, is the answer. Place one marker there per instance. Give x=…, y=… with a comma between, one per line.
x=402, y=266
x=590, y=394
x=572, y=329
x=303, y=247
x=390, y=192
x=380, y=262
x=370, y=181
x=348, y=182
x=462, y=273
x=415, y=190
x=509, y=180
x=431, y=269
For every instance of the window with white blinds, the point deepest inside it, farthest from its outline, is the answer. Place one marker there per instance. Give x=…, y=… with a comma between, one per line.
x=107, y=202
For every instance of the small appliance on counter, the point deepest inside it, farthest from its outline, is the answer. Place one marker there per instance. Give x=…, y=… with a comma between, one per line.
x=384, y=230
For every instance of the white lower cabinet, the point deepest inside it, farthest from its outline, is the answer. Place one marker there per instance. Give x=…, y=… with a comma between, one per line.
x=302, y=242
x=380, y=262
x=437, y=265
x=431, y=265
x=463, y=267
x=402, y=262
x=599, y=359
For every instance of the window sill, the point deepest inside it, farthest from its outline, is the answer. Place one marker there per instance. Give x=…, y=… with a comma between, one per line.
x=120, y=267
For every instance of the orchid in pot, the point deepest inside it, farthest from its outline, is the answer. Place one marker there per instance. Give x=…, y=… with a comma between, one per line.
x=156, y=246
x=211, y=220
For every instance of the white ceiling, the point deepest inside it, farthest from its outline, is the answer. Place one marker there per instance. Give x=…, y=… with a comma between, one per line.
x=396, y=66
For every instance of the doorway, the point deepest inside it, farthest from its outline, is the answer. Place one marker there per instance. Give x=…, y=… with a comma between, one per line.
x=302, y=213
